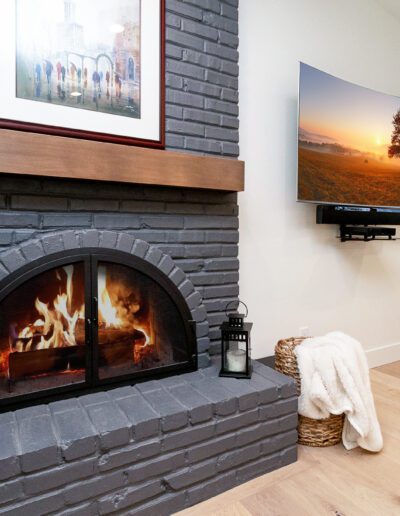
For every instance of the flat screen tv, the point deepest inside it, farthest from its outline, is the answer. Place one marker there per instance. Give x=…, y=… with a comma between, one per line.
x=348, y=143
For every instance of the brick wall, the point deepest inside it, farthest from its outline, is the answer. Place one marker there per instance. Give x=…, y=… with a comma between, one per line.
x=197, y=228
x=153, y=449
x=202, y=76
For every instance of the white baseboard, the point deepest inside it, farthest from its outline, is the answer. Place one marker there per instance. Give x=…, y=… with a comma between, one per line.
x=383, y=355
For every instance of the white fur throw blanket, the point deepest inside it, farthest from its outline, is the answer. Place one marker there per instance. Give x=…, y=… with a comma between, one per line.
x=335, y=379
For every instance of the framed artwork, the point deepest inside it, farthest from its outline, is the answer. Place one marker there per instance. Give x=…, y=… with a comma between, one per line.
x=90, y=69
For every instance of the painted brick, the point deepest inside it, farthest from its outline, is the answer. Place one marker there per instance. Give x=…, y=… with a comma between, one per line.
x=221, y=133
x=129, y=496
x=209, y=449
x=12, y=259
x=110, y=424
x=75, y=434
x=172, y=20
x=54, y=478
x=235, y=458
x=70, y=240
x=260, y=467
x=125, y=243
x=197, y=222
x=6, y=237
x=173, y=51
x=185, y=69
x=19, y=220
x=9, y=451
x=38, y=442
x=53, y=244
x=220, y=22
x=142, y=417
x=193, y=463
x=198, y=406
x=156, y=467
x=222, y=80
x=221, y=51
x=94, y=205
x=182, y=8
x=199, y=29
x=230, y=95
x=117, y=221
x=11, y=491
x=183, y=39
x=172, y=111
x=197, y=144
x=176, y=440
x=173, y=414
x=197, y=115
x=140, y=248
x=211, y=488
x=222, y=399
x=174, y=141
x=162, y=506
x=227, y=38
x=43, y=504
x=186, y=128
x=183, y=99
x=129, y=455
x=33, y=202
x=222, y=107
x=161, y=222
x=32, y=250
x=190, y=476
x=229, y=11
x=238, y=421
x=93, y=487
x=66, y=220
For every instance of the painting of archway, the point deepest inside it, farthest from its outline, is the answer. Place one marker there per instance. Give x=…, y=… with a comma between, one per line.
x=80, y=53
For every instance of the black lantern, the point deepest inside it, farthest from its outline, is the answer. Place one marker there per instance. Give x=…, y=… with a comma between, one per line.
x=235, y=342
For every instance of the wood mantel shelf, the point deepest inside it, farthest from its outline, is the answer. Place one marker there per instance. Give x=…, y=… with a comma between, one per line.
x=55, y=156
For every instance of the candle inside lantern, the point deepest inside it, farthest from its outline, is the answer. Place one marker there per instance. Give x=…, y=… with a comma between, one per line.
x=236, y=361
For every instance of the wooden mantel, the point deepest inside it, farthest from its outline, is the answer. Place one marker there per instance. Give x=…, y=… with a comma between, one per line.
x=55, y=156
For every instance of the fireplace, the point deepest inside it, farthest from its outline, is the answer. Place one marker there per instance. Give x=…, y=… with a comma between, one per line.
x=83, y=320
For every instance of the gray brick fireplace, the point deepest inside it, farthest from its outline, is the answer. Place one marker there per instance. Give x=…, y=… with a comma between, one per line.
x=158, y=446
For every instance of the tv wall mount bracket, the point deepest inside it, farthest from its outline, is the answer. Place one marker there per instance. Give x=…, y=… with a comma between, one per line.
x=359, y=223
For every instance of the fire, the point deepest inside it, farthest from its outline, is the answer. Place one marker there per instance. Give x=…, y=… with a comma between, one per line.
x=60, y=323
x=56, y=326
x=107, y=312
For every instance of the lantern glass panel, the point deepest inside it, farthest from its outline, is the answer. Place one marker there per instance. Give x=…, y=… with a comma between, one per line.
x=235, y=349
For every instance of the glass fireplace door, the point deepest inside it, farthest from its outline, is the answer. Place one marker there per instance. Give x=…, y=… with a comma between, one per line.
x=139, y=325
x=42, y=332
x=82, y=320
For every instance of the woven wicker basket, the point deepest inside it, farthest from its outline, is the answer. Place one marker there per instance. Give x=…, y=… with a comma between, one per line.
x=312, y=432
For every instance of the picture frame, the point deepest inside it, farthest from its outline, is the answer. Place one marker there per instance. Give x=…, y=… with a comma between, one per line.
x=89, y=69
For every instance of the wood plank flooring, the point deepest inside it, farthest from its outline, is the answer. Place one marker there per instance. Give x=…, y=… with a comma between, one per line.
x=328, y=481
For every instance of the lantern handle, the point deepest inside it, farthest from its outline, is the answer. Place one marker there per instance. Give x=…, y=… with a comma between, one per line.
x=240, y=303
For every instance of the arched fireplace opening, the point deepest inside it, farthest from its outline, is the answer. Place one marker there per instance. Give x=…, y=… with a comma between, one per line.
x=81, y=320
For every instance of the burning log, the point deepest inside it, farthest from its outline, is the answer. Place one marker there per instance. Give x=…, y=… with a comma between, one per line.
x=116, y=347
x=45, y=361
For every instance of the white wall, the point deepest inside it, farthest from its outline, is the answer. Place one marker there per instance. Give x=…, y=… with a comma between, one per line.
x=295, y=273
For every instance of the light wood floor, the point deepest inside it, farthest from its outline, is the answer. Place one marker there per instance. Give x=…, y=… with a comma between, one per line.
x=328, y=481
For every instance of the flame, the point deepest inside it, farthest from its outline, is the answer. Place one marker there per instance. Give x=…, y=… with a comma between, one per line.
x=56, y=323
x=107, y=312
x=55, y=327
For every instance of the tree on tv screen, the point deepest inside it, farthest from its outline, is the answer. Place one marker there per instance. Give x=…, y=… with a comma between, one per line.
x=394, y=148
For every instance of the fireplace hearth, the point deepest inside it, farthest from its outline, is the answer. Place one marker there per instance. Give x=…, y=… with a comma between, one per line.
x=81, y=320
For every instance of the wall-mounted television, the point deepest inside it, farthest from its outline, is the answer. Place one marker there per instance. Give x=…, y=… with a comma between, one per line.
x=348, y=143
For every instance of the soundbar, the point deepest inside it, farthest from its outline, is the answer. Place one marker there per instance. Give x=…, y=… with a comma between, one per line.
x=363, y=216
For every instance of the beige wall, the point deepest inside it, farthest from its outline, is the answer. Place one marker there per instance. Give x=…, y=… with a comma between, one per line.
x=293, y=272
